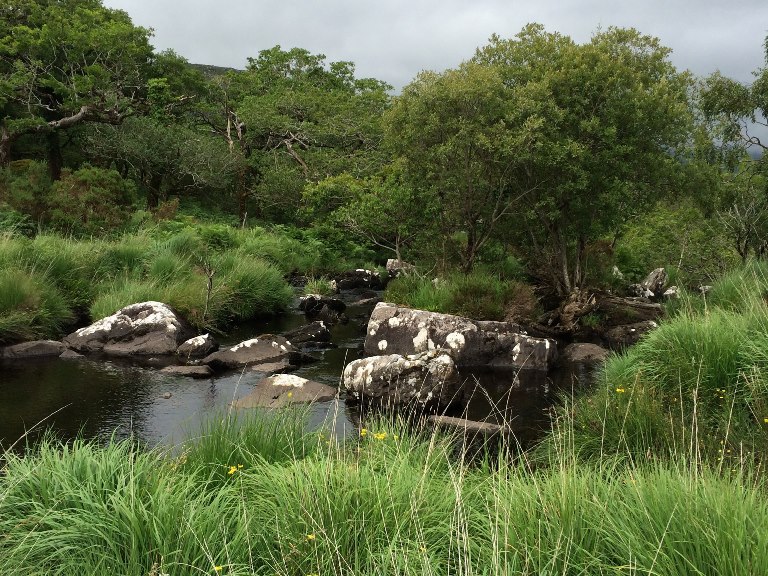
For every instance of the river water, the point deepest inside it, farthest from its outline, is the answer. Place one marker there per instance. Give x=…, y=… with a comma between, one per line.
x=103, y=398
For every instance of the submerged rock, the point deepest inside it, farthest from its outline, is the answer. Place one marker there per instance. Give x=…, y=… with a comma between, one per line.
x=425, y=378
x=620, y=337
x=146, y=328
x=34, y=349
x=471, y=344
x=315, y=332
x=191, y=371
x=285, y=389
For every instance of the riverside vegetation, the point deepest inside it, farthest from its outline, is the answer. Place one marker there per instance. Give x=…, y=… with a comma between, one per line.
x=531, y=168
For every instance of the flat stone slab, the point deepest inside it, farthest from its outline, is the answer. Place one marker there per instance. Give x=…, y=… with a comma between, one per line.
x=264, y=349
x=34, y=349
x=466, y=426
x=283, y=390
x=272, y=368
x=198, y=347
x=191, y=371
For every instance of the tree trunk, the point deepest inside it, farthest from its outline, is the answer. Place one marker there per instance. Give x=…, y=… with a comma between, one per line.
x=55, y=159
x=5, y=146
x=153, y=191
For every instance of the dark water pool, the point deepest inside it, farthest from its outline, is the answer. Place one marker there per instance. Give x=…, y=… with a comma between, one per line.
x=100, y=397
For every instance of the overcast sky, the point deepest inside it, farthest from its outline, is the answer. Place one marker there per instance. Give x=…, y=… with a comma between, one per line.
x=393, y=40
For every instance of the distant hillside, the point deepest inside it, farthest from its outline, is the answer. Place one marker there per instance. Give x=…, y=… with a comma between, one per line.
x=210, y=71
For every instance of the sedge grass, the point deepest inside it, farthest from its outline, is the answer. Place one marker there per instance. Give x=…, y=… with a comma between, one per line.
x=386, y=502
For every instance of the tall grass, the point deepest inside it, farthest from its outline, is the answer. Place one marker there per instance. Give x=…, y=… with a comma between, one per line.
x=50, y=280
x=696, y=387
x=479, y=295
x=261, y=497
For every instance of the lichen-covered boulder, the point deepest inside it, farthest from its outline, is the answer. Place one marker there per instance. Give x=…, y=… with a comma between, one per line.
x=285, y=389
x=146, y=329
x=360, y=278
x=472, y=344
x=426, y=378
x=266, y=348
x=198, y=347
x=316, y=332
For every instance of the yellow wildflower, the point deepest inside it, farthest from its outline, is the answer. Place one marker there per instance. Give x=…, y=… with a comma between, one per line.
x=232, y=470
x=380, y=435
x=218, y=568
x=311, y=537
x=620, y=390
x=363, y=431
x=765, y=420
x=290, y=394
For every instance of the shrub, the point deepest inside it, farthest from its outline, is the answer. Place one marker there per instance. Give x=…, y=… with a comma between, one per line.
x=90, y=201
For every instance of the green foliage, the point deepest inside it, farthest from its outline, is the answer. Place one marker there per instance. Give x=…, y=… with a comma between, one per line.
x=90, y=201
x=24, y=186
x=678, y=237
x=322, y=286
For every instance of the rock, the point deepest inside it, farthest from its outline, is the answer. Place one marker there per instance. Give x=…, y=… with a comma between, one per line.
x=285, y=389
x=360, y=278
x=166, y=396
x=70, y=355
x=425, y=378
x=396, y=330
x=704, y=289
x=271, y=368
x=397, y=268
x=656, y=282
x=639, y=291
x=620, y=337
x=146, y=328
x=672, y=293
x=466, y=427
x=266, y=348
x=314, y=332
x=191, y=371
x=34, y=349
x=323, y=308
x=583, y=353
x=198, y=347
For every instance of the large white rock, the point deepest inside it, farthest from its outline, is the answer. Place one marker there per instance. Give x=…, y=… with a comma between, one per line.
x=145, y=328
x=426, y=378
x=471, y=344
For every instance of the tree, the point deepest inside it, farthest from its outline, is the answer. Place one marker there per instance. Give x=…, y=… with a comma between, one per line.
x=64, y=63
x=296, y=119
x=556, y=140
x=460, y=137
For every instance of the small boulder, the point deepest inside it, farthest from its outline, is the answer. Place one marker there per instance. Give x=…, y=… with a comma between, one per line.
x=34, y=349
x=266, y=348
x=583, y=353
x=425, y=378
x=656, y=282
x=620, y=337
x=191, y=371
x=198, y=347
x=314, y=332
x=284, y=389
x=360, y=278
x=397, y=268
x=146, y=328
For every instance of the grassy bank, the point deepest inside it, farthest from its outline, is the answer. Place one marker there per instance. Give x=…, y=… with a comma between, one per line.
x=262, y=497
x=695, y=388
x=50, y=281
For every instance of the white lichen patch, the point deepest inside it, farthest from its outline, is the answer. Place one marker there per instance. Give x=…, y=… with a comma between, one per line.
x=283, y=348
x=198, y=340
x=430, y=344
x=288, y=380
x=455, y=340
x=515, y=352
x=420, y=341
x=395, y=322
x=382, y=345
x=245, y=344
